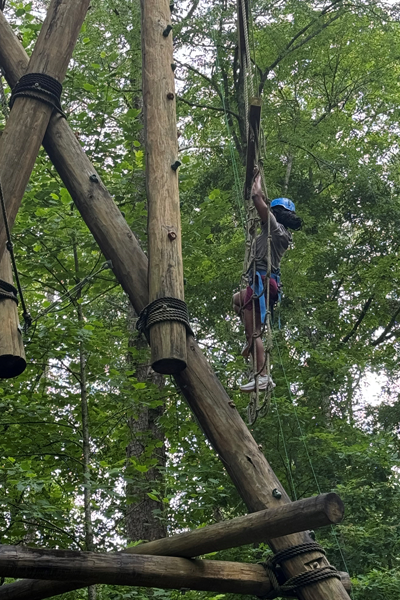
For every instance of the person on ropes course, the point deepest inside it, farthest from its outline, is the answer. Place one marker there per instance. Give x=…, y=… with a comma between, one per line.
x=282, y=217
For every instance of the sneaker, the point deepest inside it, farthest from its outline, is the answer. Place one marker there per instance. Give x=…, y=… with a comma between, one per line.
x=264, y=382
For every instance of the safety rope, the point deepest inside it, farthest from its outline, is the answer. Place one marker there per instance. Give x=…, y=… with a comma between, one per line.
x=10, y=247
x=249, y=72
x=39, y=86
x=160, y=310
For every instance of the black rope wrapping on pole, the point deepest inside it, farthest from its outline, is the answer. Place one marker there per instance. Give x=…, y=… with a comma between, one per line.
x=292, y=585
x=10, y=248
x=39, y=86
x=163, y=309
x=8, y=291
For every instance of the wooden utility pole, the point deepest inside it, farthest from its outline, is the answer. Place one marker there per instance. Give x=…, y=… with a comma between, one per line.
x=29, y=118
x=216, y=413
x=167, y=338
x=12, y=355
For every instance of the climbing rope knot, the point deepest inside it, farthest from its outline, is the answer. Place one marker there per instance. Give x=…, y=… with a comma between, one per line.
x=39, y=86
x=294, y=584
x=8, y=291
x=163, y=309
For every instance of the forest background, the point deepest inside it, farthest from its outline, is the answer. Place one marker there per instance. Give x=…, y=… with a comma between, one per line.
x=96, y=451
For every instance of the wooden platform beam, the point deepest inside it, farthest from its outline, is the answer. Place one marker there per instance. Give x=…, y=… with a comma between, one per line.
x=289, y=518
x=140, y=570
x=12, y=354
x=29, y=118
x=167, y=338
x=216, y=413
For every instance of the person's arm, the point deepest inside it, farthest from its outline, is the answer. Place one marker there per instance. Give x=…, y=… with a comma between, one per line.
x=259, y=202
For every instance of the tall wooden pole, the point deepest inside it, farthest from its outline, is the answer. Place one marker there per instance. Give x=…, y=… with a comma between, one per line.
x=12, y=355
x=219, y=419
x=167, y=338
x=29, y=118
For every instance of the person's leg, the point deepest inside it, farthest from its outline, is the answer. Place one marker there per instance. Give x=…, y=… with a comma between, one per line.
x=239, y=303
x=255, y=343
x=236, y=303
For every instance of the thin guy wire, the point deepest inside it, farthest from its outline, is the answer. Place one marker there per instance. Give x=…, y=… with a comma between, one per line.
x=306, y=449
x=231, y=150
x=10, y=248
x=285, y=448
x=76, y=288
x=4, y=106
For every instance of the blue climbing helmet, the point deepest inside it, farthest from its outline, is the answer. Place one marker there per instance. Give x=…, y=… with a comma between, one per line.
x=285, y=202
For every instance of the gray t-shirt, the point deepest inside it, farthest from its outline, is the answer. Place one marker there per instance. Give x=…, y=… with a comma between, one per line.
x=280, y=240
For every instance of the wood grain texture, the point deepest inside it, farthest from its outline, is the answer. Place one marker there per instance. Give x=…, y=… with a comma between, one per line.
x=167, y=339
x=219, y=419
x=137, y=570
x=314, y=512
x=28, y=121
x=12, y=354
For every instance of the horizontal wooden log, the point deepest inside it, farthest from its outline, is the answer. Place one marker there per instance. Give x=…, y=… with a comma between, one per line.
x=289, y=518
x=217, y=415
x=141, y=570
x=37, y=589
x=12, y=354
x=250, y=529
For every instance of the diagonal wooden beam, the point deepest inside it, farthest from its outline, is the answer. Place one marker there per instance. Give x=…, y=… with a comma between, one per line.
x=29, y=118
x=245, y=463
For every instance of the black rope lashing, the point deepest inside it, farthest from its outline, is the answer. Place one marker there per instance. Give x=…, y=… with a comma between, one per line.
x=39, y=86
x=8, y=291
x=292, y=585
x=26, y=315
x=163, y=309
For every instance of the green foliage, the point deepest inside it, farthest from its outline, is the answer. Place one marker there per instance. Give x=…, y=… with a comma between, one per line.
x=330, y=101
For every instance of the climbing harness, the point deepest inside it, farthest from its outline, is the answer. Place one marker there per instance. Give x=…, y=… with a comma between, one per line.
x=39, y=86
x=163, y=309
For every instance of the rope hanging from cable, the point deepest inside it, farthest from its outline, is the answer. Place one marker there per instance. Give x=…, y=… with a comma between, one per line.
x=294, y=584
x=163, y=309
x=10, y=248
x=39, y=86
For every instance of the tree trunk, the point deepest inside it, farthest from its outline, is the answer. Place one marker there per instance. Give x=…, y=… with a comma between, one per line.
x=141, y=521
